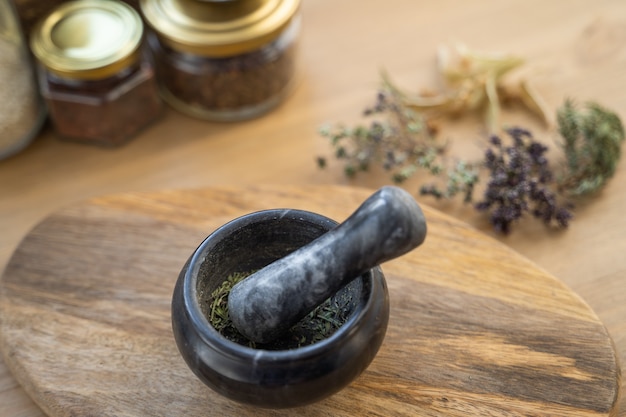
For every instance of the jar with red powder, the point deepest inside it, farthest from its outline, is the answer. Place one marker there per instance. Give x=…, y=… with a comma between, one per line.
x=97, y=80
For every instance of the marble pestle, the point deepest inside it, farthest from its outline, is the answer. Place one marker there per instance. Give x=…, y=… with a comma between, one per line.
x=387, y=225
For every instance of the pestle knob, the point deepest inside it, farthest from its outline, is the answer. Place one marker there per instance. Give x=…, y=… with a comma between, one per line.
x=388, y=224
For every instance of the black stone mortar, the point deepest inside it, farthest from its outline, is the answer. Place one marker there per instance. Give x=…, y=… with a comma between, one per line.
x=276, y=378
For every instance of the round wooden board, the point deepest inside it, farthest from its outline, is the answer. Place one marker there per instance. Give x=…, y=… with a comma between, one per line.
x=475, y=328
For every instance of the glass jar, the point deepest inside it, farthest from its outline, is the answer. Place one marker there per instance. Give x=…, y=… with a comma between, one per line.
x=22, y=111
x=30, y=12
x=97, y=80
x=223, y=60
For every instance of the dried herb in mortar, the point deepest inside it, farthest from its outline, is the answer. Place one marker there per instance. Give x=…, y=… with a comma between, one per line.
x=316, y=326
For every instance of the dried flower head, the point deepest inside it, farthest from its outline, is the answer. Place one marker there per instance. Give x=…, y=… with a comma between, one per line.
x=475, y=81
x=520, y=181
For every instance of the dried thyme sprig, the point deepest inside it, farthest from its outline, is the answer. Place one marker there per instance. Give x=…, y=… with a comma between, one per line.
x=461, y=179
x=398, y=139
x=592, y=146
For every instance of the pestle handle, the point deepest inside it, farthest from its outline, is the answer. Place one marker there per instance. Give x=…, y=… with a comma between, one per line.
x=388, y=224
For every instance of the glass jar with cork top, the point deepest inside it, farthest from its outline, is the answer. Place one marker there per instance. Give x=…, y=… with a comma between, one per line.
x=223, y=60
x=98, y=82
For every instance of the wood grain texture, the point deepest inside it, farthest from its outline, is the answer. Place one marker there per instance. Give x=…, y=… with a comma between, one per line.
x=475, y=328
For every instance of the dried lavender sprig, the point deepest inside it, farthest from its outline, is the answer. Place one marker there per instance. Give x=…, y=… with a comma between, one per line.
x=520, y=182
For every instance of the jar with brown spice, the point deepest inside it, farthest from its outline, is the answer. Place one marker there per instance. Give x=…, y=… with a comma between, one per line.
x=96, y=78
x=223, y=60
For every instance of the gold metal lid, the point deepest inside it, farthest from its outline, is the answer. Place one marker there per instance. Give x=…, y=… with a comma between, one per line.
x=218, y=28
x=88, y=39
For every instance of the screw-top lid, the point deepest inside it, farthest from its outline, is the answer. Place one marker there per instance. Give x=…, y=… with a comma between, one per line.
x=218, y=28
x=88, y=39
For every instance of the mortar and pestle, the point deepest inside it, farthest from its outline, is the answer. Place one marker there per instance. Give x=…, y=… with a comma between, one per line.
x=301, y=259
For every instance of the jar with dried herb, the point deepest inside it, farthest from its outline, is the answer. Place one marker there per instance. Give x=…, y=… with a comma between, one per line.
x=223, y=60
x=22, y=112
x=95, y=76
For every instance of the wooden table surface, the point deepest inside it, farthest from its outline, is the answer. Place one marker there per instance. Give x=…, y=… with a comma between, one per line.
x=576, y=48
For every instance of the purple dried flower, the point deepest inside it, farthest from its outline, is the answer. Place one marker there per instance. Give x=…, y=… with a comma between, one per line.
x=495, y=140
x=520, y=181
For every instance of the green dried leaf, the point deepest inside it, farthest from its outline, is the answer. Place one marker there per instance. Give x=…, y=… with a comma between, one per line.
x=592, y=146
